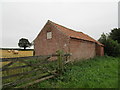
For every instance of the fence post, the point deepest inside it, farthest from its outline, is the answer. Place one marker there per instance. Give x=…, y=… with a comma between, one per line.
x=60, y=61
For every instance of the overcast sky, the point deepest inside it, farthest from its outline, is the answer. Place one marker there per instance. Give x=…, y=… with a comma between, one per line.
x=26, y=19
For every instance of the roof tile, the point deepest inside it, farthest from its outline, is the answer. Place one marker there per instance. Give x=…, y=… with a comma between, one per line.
x=75, y=34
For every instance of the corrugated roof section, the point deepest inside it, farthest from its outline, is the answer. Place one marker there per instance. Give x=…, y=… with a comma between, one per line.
x=75, y=34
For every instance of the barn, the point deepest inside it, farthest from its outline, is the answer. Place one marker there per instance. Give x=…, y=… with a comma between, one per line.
x=55, y=37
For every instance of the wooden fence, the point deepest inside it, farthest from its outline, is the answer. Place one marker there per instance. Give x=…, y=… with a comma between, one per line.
x=26, y=71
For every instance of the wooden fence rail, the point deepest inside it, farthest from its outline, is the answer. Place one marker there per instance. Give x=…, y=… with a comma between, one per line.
x=29, y=57
x=37, y=64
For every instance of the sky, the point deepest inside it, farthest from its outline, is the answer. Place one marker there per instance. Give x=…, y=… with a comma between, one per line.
x=119, y=14
x=25, y=19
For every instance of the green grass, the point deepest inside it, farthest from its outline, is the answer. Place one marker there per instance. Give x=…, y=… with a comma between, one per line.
x=100, y=72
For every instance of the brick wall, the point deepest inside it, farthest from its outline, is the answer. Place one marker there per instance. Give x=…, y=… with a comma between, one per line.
x=99, y=50
x=82, y=49
x=44, y=46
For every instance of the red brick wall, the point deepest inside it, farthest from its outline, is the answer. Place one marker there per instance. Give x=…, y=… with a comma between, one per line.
x=82, y=49
x=44, y=46
x=99, y=50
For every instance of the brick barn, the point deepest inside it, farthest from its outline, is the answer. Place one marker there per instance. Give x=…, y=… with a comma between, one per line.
x=55, y=37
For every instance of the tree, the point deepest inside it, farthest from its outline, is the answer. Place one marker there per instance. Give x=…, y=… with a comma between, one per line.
x=103, y=38
x=111, y=47
x=115, y=34
x=24, y=43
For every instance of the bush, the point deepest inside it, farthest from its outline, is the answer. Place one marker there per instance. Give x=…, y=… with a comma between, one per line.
x=111, y=47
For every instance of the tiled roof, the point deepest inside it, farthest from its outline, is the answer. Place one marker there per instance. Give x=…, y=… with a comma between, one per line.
x=75, y=34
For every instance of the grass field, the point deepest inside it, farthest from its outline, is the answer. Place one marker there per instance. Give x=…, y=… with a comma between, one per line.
x=100, y=72
x=6, y=54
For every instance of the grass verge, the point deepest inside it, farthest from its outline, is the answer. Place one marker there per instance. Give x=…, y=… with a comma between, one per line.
x=100, y=72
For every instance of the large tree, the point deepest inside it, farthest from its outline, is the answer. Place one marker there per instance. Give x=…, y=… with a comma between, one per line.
x=115, y=34
x=24, y=43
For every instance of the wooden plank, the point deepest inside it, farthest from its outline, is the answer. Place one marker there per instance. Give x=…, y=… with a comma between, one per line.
x=25, y=62
x=41, y=63
x=18, y=67
x=36, y=81
x=5, y=66
x=37, y=64
x=10, y=76
x=23, y=80
x=20, y=58
x=28, y=57
x=24, y=73
x=27, y=79
x=33, y=65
